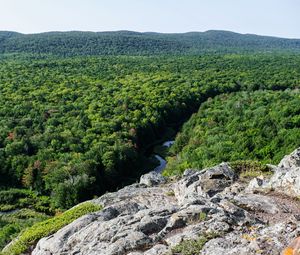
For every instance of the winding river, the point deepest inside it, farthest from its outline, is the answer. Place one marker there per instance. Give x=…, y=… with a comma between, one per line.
x=162, y=161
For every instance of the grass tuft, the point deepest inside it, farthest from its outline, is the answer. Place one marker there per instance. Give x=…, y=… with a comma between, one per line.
x=248, y=169
x=192, y=247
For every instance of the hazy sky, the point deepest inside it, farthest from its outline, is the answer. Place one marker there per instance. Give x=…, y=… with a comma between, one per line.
x=265, y=17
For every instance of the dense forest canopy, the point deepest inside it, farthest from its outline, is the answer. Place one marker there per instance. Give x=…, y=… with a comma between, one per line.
x=79, y=110
x=133, y=43
x=78, y=126
x=261, y=125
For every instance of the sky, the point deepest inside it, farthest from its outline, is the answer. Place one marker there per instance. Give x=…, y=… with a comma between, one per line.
x=264, y=17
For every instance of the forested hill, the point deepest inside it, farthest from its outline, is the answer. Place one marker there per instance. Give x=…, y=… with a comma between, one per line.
x=135, y=43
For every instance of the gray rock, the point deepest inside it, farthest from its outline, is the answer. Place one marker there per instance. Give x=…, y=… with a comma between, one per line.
x=130, y=217
x=204, y=184
x=258, y=240
x=291, y=161
x=286, y=178
x=145, y=219
x=188, y=172
x=229, y=192
x=158, y=249
x=285, y=181
x=150, y=197
x=257, y=203
x=256, y=184
x=151, y=179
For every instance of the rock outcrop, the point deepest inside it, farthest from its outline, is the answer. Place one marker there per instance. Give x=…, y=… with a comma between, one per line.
x=287, y=178
x=154, y=216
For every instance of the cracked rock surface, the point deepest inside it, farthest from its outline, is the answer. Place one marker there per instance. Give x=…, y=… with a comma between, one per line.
x=153, y=216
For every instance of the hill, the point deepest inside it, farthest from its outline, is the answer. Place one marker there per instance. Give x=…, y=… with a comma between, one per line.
x=134, y=43
x=73, y=128
x=74, y=125
x=261, y=125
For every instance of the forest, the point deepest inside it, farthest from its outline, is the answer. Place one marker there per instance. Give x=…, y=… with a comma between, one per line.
x=74, y=128
x=261, y=125
x=77, y=43
x=76, y=123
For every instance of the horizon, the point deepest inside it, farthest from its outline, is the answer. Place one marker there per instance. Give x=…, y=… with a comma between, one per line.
x=145, y=32
x=275, y=18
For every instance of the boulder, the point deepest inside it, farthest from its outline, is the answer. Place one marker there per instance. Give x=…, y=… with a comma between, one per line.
x=151, y=179
x=291, y=161
x=285, y=180
x=197, y=185
x=147, y=219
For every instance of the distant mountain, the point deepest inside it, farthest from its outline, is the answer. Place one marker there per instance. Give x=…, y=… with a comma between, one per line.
x=135, y=43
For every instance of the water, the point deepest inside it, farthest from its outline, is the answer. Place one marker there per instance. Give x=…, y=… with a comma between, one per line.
x=162, y=161
x=162, y=164
x=168, y=143
x=9, y=212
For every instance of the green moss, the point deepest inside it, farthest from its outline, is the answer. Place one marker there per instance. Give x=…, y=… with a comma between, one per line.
x=198, y=218
x=202, y=216
x=170, y=193
x=45, y=228
x=192, y=247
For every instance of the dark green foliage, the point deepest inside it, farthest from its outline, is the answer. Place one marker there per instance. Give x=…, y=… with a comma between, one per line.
x=74, y=128
x=72, y=191
x=14, y=199
x=43, y=228
x=261, y=125
x=192, y=246
x=189, y=247
x=19, y=209
x=133, y=43
x=12, y=223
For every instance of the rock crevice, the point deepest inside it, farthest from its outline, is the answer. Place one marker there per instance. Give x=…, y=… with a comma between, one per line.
x=153, y=216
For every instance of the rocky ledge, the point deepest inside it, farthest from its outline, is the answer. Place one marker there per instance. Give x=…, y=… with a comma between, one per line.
x=213, y=205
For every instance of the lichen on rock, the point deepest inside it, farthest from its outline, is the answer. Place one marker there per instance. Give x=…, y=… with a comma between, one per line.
x=143, y=219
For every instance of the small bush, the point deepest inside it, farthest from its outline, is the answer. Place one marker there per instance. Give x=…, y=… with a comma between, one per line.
x=45, y=228
x=250, y=168
x=192, y=247
x=189, y=247
x=170, y=193
x=202, y=216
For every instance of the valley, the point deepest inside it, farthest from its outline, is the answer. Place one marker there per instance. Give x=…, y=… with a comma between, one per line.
x=79, y=119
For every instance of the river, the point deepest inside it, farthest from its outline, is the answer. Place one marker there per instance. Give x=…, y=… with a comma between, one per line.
x=162, y=162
